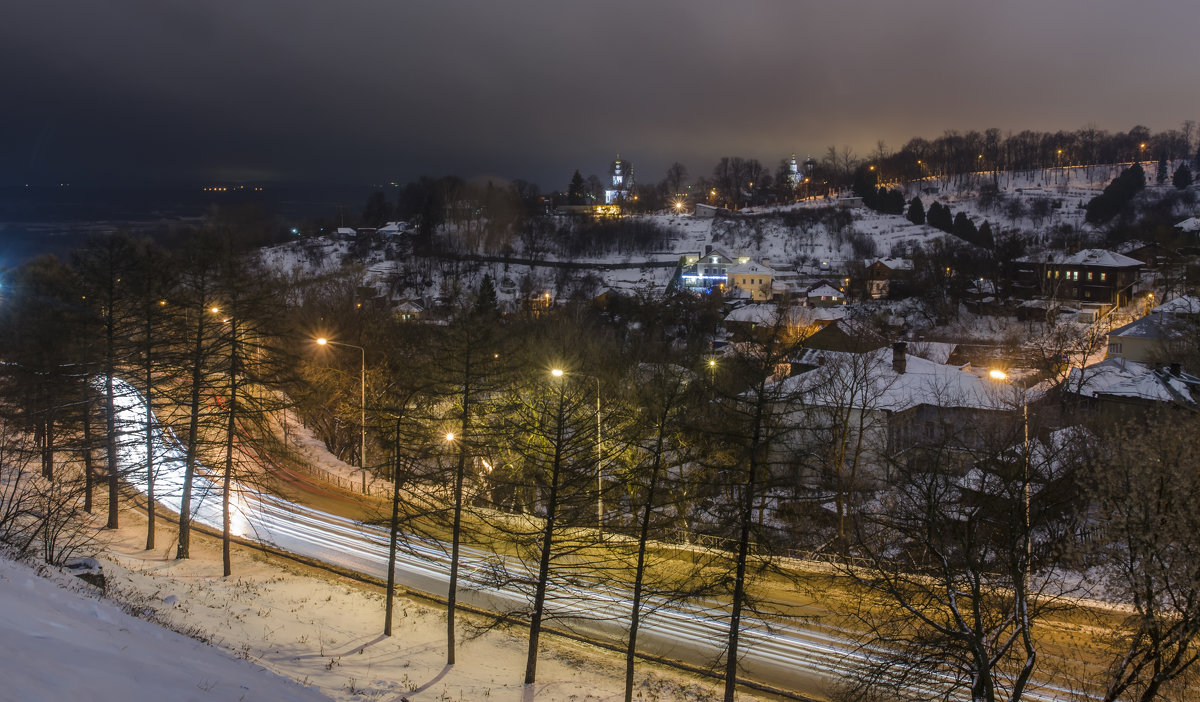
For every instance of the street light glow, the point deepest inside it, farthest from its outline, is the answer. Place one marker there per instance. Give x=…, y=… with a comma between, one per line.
x=322, y=341
x=557, y=372
x=449, y=436
x=997, y=374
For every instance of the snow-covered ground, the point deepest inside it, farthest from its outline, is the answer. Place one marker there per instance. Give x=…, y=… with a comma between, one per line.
x=321, y=630
x=61, y=642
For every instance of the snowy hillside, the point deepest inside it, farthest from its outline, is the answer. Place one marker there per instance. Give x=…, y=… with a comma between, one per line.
x=61, y=643
x=813, y=239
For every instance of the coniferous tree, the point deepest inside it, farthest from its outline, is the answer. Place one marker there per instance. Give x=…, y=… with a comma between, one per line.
x=577, y=191
x=1183, y=177
x=916, y=210
x=1160, y=176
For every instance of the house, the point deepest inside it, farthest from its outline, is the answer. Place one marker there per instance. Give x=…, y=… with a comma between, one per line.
x=1120, y=387
x=1147, y=339
x=753, y=277
x=708, y=271
x=1186, y=307
x=1191, y=225
x=758, y=321
x=824, y=294
x=882, y=272
x=1088, y=275
x=896, y=402
x=409, y=310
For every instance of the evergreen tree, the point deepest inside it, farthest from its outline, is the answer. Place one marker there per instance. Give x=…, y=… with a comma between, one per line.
x=485, y=300
x=1119, y=192
x=916, y=210
x=965, y=229
x=1161, y=176
x=986, y=239
x=939, y=217
x=577, y=191
x=1183, y=177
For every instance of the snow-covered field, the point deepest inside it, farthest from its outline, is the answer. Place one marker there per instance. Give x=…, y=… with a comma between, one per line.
x=323, y=631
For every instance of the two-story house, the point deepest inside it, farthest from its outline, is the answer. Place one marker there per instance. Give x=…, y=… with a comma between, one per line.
x=1088, y=275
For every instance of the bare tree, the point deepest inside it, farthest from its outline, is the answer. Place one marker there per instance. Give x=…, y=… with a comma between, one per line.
x=1145, y=542
x=957, y=560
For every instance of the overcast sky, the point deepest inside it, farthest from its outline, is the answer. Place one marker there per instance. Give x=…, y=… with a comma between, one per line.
x=378, y=90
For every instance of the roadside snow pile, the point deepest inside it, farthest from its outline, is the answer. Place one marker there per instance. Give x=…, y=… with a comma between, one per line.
x=61, y=644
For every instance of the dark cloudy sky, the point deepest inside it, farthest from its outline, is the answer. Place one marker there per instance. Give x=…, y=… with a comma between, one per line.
x=377, y=90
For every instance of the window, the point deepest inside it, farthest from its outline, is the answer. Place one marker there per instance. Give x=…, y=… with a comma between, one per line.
x=1048, y=274
x=1114, y=349
x=1090, y=274
x=1103, y=276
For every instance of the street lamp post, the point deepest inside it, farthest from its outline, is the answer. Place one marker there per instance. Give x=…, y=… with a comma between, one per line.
x=1001, y=376
x=558, y=373
x=362, y=456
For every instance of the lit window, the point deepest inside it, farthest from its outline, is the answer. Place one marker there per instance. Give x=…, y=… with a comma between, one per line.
x=1103, y=276
x=1090, y=274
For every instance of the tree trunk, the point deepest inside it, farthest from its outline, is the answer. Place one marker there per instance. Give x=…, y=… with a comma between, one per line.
x=639, y=573
x=539, y=600
x=456, y=531
x=185, y=503
x=230, y=432
x=149, y=419
x=88, y=468
x=394, y=534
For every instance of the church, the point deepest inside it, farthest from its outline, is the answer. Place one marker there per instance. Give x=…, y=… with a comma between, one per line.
x=620, y=186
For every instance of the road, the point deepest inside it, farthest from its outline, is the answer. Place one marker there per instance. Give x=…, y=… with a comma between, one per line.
x=786, y=657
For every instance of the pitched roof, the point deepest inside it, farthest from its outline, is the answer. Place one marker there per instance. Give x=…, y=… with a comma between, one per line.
x=1117, y=377
x=824, y=290
x=896, y=264
x=1085, y=257
x=922, y=383
x=1152, y=326
x=1187, y=304
x=751, y=267
x=1191, y=224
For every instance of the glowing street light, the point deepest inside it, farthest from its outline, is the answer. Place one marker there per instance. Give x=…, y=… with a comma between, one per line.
x=558, y=373
x=362, y=458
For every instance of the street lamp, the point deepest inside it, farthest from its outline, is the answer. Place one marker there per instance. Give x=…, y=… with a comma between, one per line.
x=558, y=373
x=362, y=458
x=1002, y=377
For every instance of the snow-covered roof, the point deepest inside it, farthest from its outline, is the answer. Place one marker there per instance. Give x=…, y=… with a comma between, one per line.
x=1121, y=378
x=936, y=351
x=1191, y=224
x=751, y=268
x=765, y=314
x=349, y=231
x=1085, y=257
x=1152, y=326
x=896, y=264
x=1188, y=304
x=824, y=290
x=923, y=382
x=393, y=228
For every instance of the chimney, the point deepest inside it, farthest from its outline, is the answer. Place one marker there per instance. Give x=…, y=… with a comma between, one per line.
x=899, y=356
x=707, y=249
x=1176, y=369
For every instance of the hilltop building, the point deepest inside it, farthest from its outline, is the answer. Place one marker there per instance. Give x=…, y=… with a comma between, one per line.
x=620, y=186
